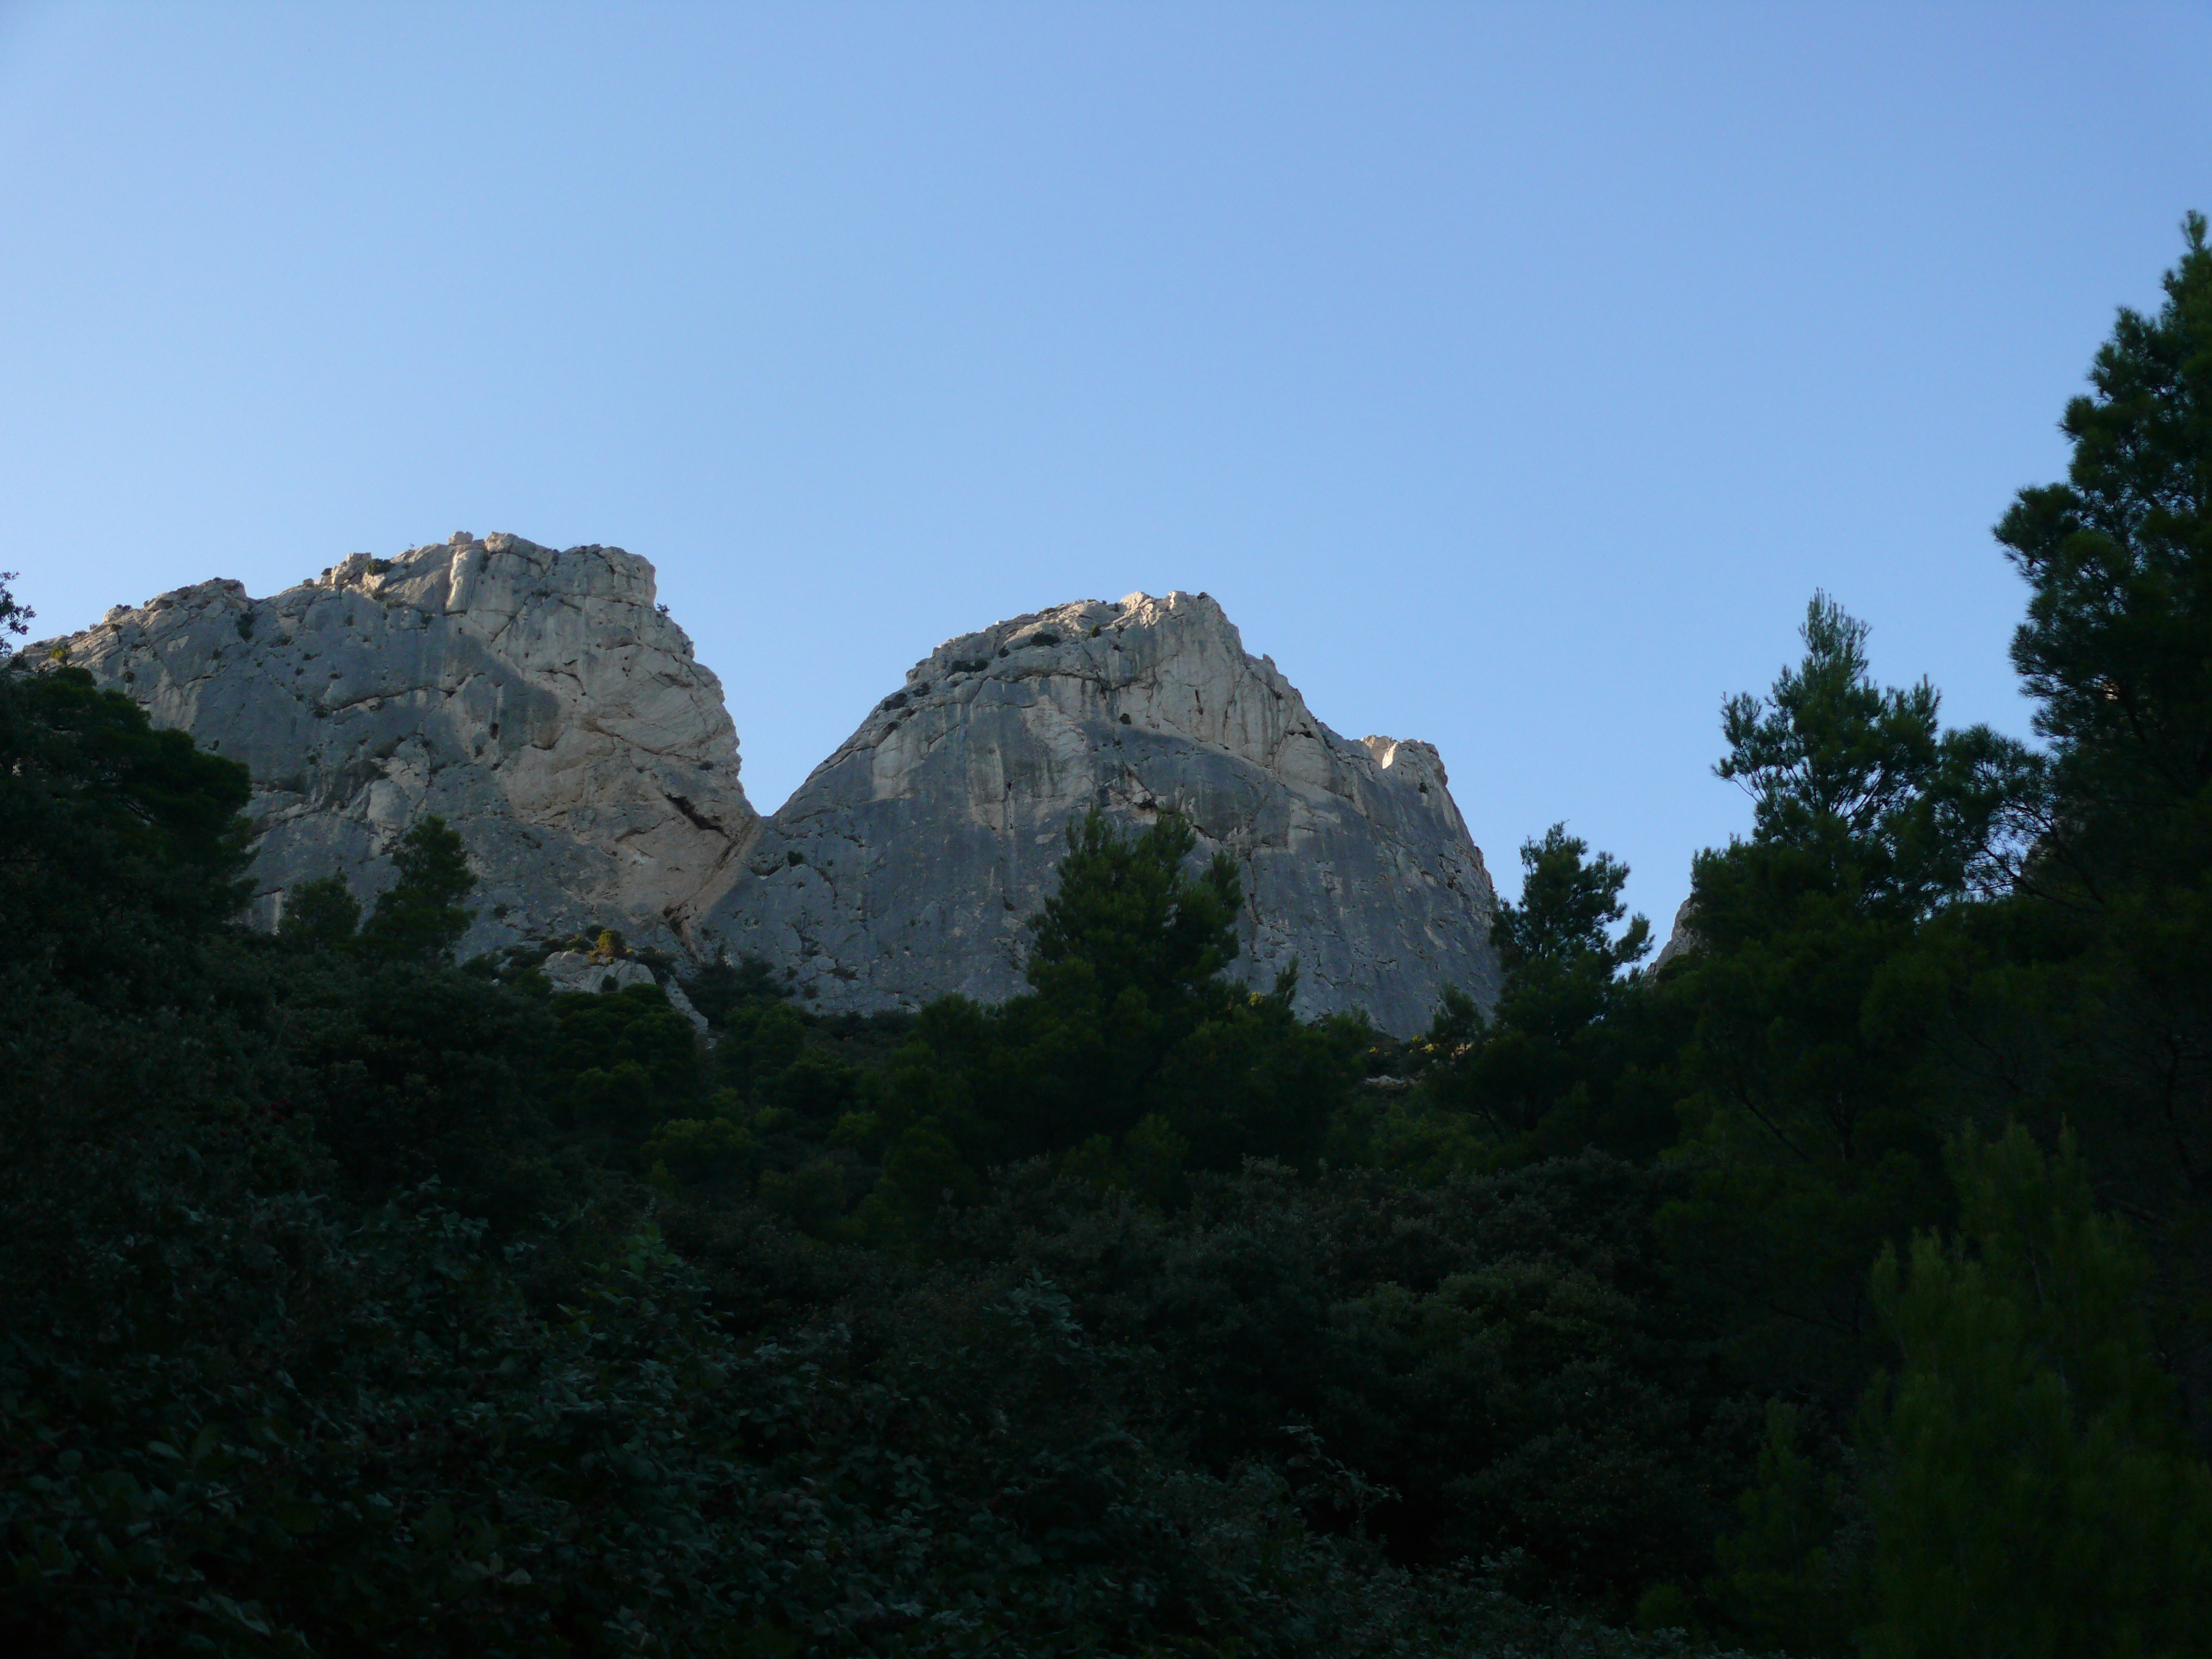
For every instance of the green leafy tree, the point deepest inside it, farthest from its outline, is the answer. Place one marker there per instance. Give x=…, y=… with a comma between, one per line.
x=1860, y=786
x=1570, y=1057
x=321, y=914
x=2036, y=1497
x=2095, y=1002
x=1125, y=918
x=420, y=916
x=1570, y=903
x=1132, y=1016
x=412, y=1071
x=122, y=852
x=1793, y=1576
x=621, y=1063
x=1125, y=963
x=2119, y=563
x=722, y=988
x=1807, y=1078
x=15, y=617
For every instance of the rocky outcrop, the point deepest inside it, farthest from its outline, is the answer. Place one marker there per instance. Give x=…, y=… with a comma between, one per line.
x=1681, y=939
x=538, y=701
x=906, y=864
x=547, y=708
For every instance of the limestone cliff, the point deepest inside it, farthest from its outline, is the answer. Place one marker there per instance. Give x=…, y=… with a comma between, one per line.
x=539, y=701
x=907, y=864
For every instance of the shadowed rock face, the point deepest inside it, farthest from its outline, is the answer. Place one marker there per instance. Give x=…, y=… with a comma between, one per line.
x=906, y=866
x=537, y=700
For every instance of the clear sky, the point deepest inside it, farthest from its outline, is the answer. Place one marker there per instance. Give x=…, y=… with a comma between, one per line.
x=1512, y=374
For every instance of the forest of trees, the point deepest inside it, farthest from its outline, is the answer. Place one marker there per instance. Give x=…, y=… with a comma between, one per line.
x=1841, y=1286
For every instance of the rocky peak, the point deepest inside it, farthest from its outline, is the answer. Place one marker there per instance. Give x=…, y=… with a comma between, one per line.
x=908, y=863
x=547, y=707
x=539, y=700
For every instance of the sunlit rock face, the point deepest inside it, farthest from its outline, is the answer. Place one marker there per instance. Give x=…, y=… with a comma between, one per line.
x=538, y=701
x=908, y=864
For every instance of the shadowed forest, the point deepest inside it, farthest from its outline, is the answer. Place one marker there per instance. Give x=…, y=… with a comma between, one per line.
x=1837, y=1285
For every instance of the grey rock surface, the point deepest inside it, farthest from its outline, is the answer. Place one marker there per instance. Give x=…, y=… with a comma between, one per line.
x=1681, y=939
x=538, y=701
x=908, y=864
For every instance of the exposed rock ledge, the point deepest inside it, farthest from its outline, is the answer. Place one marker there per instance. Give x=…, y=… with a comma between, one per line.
x=538, y=701
x=906, y=866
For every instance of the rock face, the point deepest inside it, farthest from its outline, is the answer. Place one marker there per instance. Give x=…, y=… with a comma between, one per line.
x=908, y=863
x=543, y=705
x=538, y=701
x=1681, y=939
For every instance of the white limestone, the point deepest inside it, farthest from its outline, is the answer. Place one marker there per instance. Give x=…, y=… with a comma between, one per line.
x=906, y=864
x=538, y=701
x=547, y=708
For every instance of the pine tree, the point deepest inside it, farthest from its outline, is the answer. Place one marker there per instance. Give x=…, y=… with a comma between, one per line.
x=1125, y=918
x=2034, y=1497
x=2102, y=1010
x=1125, y=963
x=1556, y=1066
x=421, y=917
x=321, y=915
x=2117, y=648
x=1569, y=904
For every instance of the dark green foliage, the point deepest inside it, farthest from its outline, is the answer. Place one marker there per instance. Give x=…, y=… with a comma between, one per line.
x=419, y=1074
x=1132, y=1058
x=621, y=1062
x=1127, y=929
x=1806, y=1074
x=240, y=1415
x=1569, y=904
x=2020, y=1485
x=321, y=914
x=760, y=1041
x=2118, y=562
x=2095, y=996
x=720, y=988
x=2037, y=1496
x=1504, y=1361
x=14, y=617
x=1130, y=1017
x=1856, y=789
x=420, y=917
x=1566, y=1060
x=119, y=845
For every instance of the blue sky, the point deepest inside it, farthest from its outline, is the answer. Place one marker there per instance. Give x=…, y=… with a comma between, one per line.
x=1512, y=374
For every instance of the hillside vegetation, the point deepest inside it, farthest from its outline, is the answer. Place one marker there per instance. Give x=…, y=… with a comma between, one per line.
x=1839, y=1286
